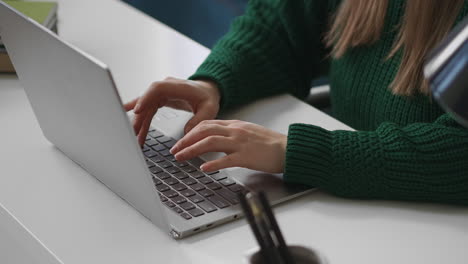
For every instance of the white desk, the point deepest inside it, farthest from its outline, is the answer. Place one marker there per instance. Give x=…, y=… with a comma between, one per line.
x=81, y=221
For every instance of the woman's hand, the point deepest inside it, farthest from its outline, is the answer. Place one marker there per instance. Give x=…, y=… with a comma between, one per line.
x=200, y=97
x=247, y=145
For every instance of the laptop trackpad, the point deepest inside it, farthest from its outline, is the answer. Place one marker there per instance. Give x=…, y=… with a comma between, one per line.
x=277, y=190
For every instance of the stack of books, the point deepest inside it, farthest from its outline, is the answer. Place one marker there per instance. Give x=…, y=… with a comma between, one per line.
x=44, y=13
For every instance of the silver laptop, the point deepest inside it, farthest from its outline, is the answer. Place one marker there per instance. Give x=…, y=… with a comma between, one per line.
x=79, y=110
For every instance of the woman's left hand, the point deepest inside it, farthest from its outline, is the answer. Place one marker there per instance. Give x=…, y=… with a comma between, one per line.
x=246, y=145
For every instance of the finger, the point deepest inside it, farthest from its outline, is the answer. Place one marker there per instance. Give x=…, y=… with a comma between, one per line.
x=138, y=121
x=231, y=160
x=160, y=91
x=199, y=133
x=145, y=126
x=130, y=105
x=203, y=114
x=209, y=144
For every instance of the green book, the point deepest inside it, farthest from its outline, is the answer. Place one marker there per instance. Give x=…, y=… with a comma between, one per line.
x=44, y=13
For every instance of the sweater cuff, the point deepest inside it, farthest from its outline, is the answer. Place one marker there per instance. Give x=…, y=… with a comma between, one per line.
x=308, y=155
x=222, y=76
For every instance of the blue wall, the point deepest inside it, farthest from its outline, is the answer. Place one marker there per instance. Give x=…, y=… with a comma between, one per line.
x=204, y=21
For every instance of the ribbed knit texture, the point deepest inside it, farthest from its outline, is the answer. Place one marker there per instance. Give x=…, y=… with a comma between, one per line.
x=405, y=148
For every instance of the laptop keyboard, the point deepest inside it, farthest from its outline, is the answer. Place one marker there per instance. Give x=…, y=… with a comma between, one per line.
x=181, y=185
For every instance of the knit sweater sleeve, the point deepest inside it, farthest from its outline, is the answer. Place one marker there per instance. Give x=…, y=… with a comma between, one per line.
x=418, y=162
x=275, y=47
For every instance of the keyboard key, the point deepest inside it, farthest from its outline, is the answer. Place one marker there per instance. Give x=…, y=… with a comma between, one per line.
x=214, y=186
x=157, y=159
x=162, y=197
x=206, y=193
x=196, y=212
x=145, y=148
x=180, y=175
x=171, y=158
x=159, y=147
x=156, y=181
x=218, y=201
x=155, y=134
x=165, y=153
x=150, y=153
x=149, y=164
x=196, y=198
x=189, y=168
x=197, y=162
x=236, y=188
x=197, y=187
x=212, y=172
x=205, y=180
x=173, y=170
x=169, y=204
x=151, y=142
x=147, y=138
x=171, y=194
x=181, y=163
x=163, y=139
x=171, y=181
x=170, y=144
x=177, y=210
x=197, y=174
x=179, y=187
x=162, y=188
x=189, y=181
x=187, y=193
x=228, y=195
x=165, y=164
x=207, y=206
x=186, y=216
x=227, y=182
x=163, y=175
x=218, y=176
x=187, y=206
x=178, y=199
x=155, y=170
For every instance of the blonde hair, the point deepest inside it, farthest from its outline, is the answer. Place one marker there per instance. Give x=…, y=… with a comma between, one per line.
x=424, y=24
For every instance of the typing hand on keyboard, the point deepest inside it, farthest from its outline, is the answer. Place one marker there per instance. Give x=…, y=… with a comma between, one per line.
x=182, y=187
x=200, y=97
x=247, y=145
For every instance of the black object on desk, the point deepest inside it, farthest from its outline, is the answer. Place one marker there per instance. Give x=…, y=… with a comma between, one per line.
x=260, y=216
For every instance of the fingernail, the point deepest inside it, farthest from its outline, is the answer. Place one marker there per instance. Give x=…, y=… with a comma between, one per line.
x=173, y=150
x=202, y=167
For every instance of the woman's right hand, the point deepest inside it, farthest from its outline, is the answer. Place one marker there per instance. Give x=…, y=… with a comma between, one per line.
x=200, y=97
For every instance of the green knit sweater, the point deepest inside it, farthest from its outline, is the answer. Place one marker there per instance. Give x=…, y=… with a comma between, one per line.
x=405, y=148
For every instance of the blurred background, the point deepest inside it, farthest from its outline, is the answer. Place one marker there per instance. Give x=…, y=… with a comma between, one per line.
x=204, y=21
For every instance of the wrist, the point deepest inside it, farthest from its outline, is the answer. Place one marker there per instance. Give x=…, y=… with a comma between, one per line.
x=283, y=147
x=212, y=88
